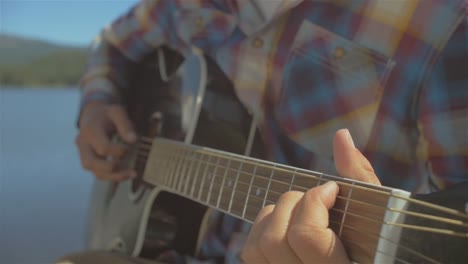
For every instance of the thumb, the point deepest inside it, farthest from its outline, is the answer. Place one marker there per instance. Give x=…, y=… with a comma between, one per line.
x=349, y=161
x=122, y=123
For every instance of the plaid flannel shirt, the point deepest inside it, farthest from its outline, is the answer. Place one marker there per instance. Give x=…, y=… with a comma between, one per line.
x=395, y=73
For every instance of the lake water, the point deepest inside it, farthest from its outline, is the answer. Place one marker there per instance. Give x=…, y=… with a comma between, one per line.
x=44, y=193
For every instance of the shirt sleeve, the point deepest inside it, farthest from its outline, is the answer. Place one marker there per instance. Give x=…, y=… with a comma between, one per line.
x=177, y=24
x=443, y=115
x=113, y=52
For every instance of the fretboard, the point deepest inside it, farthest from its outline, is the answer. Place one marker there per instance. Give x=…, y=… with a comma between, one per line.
x=242, y=186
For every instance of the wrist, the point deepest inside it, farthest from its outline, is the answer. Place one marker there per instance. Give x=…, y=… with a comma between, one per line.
x=93, y=100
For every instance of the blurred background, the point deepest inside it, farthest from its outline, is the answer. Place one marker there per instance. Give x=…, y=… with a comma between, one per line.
x=44, y=193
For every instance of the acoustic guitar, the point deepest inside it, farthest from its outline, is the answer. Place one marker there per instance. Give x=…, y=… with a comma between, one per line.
x=199, y=151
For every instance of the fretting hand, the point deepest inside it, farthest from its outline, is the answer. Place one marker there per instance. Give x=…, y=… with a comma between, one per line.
x=295, y=230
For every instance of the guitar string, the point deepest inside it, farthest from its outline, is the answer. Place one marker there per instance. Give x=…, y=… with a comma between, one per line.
x=396, y=258
x=420, y=228
x=398, y=245
x=411, y=251
x=308, y=174
x=337, y=182
x=443, y=231
x=229, y=168
x=209, y=202
x=434, y=218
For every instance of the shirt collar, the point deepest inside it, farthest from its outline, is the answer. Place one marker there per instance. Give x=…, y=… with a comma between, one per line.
x=253, y=15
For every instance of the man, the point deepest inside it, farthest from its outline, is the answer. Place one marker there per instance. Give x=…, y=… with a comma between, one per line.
x=393, y=72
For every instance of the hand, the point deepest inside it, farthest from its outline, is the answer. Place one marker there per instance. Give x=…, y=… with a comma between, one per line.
x=295, y=230
x=98, y=154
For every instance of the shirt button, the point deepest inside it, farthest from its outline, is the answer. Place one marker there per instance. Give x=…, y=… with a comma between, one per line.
x=339, y=52
x=257, y=43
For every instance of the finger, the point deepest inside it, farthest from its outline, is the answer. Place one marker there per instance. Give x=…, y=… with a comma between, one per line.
x=93, y=162
x=274, y=243
x=102, y=145
x=251, y=252
x=119, y=117
x=102, y=168
x=349, y=161
x=309, y=235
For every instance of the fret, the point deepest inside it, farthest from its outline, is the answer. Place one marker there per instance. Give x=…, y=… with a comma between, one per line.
x=268, y=187
x=248, y=192
x=183, y=174
x=197, y=170
x=175, y=175
x=280, y=182
x=372, y=222
x=229, y=185
x=292, y=179
x=179, y=169
x=226, y=171
x=173, y=167
x=254, y=206
x=212, y=179
x=162, y=166
x=303, y=183
x=378, y=199
x=345, y=209
x=221, y=168
x=235, y=202
x=320, y=179
x=190, y=172
x=202, y=186
x=186, y=172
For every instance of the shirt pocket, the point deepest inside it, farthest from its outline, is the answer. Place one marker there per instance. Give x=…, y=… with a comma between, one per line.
x=328, y=83
x=205, y=28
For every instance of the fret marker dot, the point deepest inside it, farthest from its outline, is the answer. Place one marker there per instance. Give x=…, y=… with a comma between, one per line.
x=258, y=192
x=229, y=183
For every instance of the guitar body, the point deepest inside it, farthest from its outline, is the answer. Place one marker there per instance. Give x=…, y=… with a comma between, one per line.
x=195, y=105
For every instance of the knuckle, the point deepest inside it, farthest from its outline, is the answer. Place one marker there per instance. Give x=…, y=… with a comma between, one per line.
x=296, y=237
x=102, y=149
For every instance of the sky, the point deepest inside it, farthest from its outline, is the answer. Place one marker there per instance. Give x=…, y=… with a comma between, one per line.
x=69, y=22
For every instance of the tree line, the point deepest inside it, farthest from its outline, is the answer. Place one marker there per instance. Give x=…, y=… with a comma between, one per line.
x=58, y=68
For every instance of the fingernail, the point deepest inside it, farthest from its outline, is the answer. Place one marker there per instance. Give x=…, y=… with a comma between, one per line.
x=330, y=187
x=349, y=138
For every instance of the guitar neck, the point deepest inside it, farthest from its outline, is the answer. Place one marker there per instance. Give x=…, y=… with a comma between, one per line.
x=366, y=217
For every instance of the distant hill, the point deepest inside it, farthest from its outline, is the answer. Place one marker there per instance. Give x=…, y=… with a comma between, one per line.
x=30, y=62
